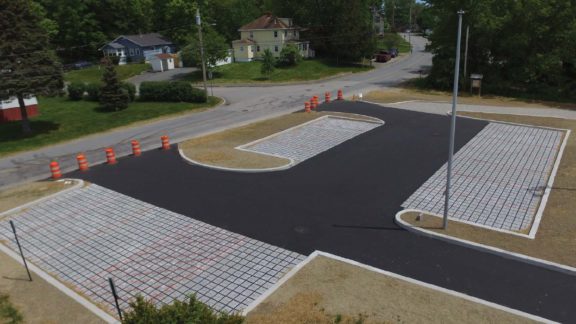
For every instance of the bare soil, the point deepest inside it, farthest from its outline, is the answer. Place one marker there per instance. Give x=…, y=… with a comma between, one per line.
x=555, y=237
x=220, y=149
x=331, y=291
x=38, y=301
x=406, y=94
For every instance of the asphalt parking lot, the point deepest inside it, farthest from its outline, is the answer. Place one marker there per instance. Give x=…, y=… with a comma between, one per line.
x=343, y=201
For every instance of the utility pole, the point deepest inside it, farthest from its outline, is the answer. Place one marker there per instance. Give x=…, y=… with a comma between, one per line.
x=466, y=55
x=410, y=26
x=199, y=23
x=453, y=122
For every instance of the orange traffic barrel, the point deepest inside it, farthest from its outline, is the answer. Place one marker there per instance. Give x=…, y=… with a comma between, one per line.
x=327, y=97
x=165, y=142
x=340, y=95
x=82, y=162
x=313, y=103
x=55, y=169
x=110, y=156
x=307, y=106
x=136, y=151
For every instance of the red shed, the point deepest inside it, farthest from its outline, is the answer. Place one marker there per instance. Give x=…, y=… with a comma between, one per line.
x=10, y=109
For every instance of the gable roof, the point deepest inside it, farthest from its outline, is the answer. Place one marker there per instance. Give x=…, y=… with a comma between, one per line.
x=164, y=56
x=267, y=21
x=148, y=39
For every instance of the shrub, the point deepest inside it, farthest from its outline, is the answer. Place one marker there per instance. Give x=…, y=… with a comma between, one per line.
x=171, y=92
x=112, y=96
x=76, y=90
x=193, y=311
x=130, y=89
x=93, y=90
x=290, y=55
x=268, y=62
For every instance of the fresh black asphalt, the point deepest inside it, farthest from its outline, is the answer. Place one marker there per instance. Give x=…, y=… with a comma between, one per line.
x=343, y=201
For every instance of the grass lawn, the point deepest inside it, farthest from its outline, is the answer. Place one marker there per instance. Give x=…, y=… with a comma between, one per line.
x=93, y=74
x=250, y=72
x=555, y=237
x=61, y=119
x=393, y=40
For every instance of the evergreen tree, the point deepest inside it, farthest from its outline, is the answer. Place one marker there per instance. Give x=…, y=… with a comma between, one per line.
x=268, y=63
x=27, y=66
x=112, y=96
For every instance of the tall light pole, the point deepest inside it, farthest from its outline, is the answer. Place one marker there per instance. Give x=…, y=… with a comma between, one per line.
x=453, y=122
x=199, y=23
x=410, y=26
x=466, y=55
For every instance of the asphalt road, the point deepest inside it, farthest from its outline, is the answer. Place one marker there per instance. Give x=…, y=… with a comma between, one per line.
x=244, y=104
x=343, y=201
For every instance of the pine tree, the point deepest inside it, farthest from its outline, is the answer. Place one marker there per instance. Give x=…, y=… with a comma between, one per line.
x=112, y=96
x=27, y=66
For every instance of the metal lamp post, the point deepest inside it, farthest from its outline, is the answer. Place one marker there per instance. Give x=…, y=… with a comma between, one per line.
x=453, y=122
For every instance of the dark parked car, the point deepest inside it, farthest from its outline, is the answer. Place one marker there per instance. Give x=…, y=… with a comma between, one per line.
x=393, y=52
x=78, y=65
x=382, y=56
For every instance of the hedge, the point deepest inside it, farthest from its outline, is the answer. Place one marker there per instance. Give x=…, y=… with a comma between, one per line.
x=76, y=90
x=166, y=91
x=130, y=88
x=93, y=90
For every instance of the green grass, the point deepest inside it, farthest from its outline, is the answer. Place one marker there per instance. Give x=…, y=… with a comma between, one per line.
x=93, y=74
x=250, y=72
x=61, y=119
x=8, y=314
x=393, y=40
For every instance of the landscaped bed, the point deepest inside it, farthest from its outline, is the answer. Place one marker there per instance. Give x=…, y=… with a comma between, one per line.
x=328, y=290
x=554, y=240
x=219, y=150
x=250, y=72
x=61, y=119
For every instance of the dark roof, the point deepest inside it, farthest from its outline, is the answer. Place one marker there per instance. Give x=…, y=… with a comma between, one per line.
x=267, y=21
x=152, y=39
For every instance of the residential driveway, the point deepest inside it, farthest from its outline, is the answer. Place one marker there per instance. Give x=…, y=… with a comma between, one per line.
x=169, y=75
x=343, y=201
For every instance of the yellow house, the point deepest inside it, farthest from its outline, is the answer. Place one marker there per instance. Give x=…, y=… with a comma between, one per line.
x=268, y=32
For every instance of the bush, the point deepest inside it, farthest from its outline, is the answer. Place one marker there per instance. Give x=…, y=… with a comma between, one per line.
x=130, y=89
x=290, y=55
x=93, y=90
x=193, y=311
x=171, y=92
x=76, y=90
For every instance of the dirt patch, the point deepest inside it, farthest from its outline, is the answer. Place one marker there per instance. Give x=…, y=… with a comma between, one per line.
x=219, y=149
x=17, y=196
x=406, y=94
x=38, y=301
x=554, y=240
x=326, y=289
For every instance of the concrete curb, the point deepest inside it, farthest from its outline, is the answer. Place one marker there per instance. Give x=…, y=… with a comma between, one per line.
x=481, y=247
x=317, y=253
x=46, y=276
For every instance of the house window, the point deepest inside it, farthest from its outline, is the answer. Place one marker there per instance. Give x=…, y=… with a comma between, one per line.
x=305, y=46
x=137, y=51
x=258, y=48
x=251, y=34
x=275, y=33
x=241, y=48
x=294, y=32
x=276, y=48
x=131, y=50
x=285, y=33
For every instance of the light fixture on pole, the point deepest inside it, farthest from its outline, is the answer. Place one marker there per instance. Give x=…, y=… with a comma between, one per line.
x=199, y=23
x=453, y=122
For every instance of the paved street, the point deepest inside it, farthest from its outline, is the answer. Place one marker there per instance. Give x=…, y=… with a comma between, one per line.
x=91, y=234
x=343, y=201
x=244, y=104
